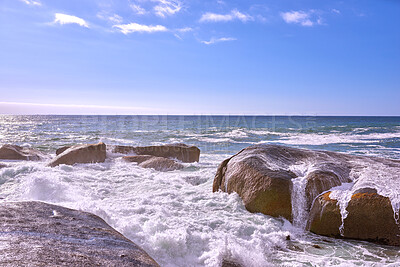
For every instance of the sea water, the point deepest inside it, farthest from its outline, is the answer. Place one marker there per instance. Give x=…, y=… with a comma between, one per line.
x=174, y=215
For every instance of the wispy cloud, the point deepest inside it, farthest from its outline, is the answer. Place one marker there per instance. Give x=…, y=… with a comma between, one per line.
x=300, y=17
x=183, y=30
x=112, y=18
x=233, y=15
x=167, y=7
x=218, y=40
x=138, y=9
x=69, y=19
x=336, y=11
x=179, y=32
x=32, y=2
x=135, y=27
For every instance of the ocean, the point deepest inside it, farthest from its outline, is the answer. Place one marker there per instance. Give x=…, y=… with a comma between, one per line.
x=174, y=216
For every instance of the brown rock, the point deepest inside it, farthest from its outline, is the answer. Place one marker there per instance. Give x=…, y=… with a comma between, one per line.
x=261, y=176
x=318, y=182
x=370, y=217
x=62, y=149
x=123, y=149
x=138, y=159
x=261, y=188
x=229, y=263
x=2, y=165
x=161, y=164
x=81, y=154
x=40, y=234
x=181, y=152
x=14, y=152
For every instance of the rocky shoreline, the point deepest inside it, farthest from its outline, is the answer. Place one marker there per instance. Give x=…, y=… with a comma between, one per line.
x=296, y=184
x=265, y=177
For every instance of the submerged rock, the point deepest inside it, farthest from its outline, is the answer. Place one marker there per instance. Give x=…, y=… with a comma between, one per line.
x=2, y=165
x=157, y=163
x=370, y=217
x=14, y=152
x=40, y=234
x=181, y=152
x=81, y=154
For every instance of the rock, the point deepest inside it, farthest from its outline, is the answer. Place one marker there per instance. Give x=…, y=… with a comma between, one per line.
x=123, y=149
x=138, y=159
x=320, y=181
x=261, y=188
x=157, y=163
x=181, y=152
x=229, y=263
x=370, y=217
x=2, y=165
x=14, y=152
x=81, y=154
x=262, y=176
x=40, y=234
x=62, y=149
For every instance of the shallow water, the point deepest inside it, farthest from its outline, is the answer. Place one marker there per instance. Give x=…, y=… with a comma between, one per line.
x=175, y=216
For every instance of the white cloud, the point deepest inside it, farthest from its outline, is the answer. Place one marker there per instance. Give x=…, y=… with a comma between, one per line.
x=179, y=32
x=167, y=7
x=300, y=17
x=218, y=40
x=138, y=9
x=135, y=27
x=112, y=18
x=336, y=11
x=235, y=14
x=68, y=19
x=32, y=2
x=186, y=29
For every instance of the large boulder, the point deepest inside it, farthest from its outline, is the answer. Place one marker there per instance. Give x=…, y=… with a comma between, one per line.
x=319, y=182
x=40, y=234
x=157, y=163
x=181, y=152
x=261, y=188
x=370, y=217
x=93, y=153
x=263, y=176
x=14, y=152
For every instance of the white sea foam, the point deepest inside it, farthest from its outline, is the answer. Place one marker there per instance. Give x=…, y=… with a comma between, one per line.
x=324, y=139
x=177, y=221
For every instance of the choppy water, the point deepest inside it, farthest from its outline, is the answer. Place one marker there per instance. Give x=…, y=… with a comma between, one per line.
x=175, y=216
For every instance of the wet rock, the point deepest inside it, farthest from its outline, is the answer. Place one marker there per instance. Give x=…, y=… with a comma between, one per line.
x=123, y=149
x=370, y=217
x=262, y=176
x=320, y=181
x=138, y=159
x=2, y=165
x=92, y=153
x=62, y=149
x=180, y=152
x=229, y=263
x=262, y=188
x=157, y=163
x=40, y=234
x=14, y=152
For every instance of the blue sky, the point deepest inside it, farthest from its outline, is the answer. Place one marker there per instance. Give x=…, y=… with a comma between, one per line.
x=200, y=57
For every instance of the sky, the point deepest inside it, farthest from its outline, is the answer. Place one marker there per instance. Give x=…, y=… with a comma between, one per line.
x=194, y=57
